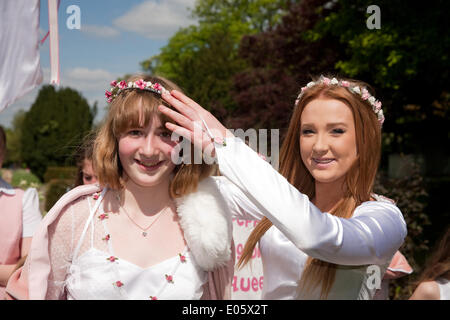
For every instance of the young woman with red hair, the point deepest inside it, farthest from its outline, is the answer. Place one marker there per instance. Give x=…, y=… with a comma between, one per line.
x=322, y=234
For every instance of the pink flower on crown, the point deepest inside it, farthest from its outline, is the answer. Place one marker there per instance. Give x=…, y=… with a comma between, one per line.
x=122, y=84
x=345, y=83
x=365, y=95
x=109, y=100
x=140, y=83
x=157, y=86
x=326, y=80
x=108, y=94
x=113, y=83
x=377, y=106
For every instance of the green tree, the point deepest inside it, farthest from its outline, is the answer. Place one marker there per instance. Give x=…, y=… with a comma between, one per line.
x=55, y=124
x=202, y=59
x=14, y=140
x=407, y=60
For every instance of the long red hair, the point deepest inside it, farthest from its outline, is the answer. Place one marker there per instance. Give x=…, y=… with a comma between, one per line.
x=359, y=179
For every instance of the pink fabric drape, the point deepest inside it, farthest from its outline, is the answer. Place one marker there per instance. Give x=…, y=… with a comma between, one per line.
x=20, y=69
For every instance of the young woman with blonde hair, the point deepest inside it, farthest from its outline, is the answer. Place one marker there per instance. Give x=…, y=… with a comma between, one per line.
x=149, y=232
x=323, y=234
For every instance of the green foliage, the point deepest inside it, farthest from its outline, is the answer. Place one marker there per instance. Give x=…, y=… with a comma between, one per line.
x=24, y=179
x=56, y=188
x=55, y=124
x=202, y=59
x=60, y=173
x=13, y=140
x=406, y=60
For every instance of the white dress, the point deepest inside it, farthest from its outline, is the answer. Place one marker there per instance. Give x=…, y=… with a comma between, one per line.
x=362, y=246
x=96, y=274
x=444, y=288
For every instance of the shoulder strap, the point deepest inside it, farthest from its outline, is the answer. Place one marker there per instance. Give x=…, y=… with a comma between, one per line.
x=91, y=215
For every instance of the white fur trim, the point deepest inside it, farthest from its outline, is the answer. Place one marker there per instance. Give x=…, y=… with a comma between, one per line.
x=206, y=224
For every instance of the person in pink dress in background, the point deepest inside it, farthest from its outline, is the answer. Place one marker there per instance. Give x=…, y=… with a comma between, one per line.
x=19, y=216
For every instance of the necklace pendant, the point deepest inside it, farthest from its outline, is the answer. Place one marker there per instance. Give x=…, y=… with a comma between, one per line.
x=144, y=234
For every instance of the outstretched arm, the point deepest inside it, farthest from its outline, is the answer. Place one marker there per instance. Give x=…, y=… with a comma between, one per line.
x=371, y=236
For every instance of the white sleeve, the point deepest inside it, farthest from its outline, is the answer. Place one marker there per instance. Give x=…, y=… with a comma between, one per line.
x=371, y=236
x=239, y=205
x=31, y=215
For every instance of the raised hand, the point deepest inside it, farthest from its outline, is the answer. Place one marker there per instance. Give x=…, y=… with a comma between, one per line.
x=194, y=122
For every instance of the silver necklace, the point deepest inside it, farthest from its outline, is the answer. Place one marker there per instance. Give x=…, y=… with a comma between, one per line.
x=144, y=230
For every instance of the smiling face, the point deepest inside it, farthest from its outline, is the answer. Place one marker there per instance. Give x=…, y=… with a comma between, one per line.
x=144, y=153
x=327, y=140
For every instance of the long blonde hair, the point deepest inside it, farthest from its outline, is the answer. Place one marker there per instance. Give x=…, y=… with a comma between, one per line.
x=358, y=181
x=134, y=108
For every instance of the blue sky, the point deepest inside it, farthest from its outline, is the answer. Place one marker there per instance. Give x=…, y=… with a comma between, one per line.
x=115, y=35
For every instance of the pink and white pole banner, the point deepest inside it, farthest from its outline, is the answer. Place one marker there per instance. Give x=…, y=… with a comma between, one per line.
x=53, y=6
x=20, y=70
x=248, y=281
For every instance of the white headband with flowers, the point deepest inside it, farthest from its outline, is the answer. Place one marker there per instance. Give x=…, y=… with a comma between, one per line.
x=362, y=92
x=116, y=88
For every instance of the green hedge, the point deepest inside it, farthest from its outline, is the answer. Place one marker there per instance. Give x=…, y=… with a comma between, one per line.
x=56, y=188
x=60, y=173
x=24, y=179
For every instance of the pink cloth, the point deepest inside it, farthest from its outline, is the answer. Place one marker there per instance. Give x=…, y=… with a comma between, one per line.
x=30, y=281
x=20, y=70
x=10, y=229
x=399, y=267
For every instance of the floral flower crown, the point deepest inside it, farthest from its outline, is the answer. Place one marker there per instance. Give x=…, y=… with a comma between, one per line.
x=362, y=92
x=117, y=87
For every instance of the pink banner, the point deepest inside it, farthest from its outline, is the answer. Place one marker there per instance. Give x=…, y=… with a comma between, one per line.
x=248, y=281
x=54, y=40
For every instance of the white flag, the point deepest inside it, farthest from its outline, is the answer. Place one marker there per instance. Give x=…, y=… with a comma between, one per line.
x=20, y=69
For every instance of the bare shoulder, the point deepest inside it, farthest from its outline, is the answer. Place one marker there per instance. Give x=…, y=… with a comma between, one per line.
x=427, y=290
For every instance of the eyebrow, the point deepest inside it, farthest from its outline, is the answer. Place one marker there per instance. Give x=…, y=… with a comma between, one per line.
x=332, y=124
